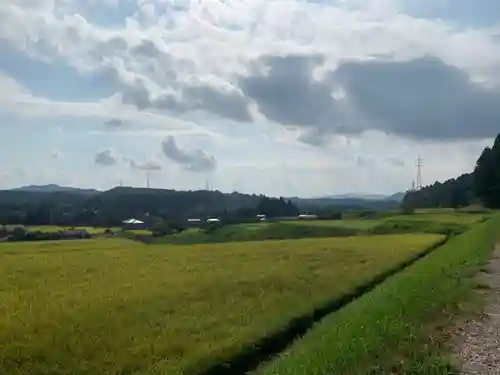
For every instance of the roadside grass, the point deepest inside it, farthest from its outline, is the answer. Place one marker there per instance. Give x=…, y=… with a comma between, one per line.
x=113, y=306
x=399, y=327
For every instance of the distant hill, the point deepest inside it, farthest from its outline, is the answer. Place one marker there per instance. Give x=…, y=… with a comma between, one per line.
x=33, y=205
x=398, y=197
x=345, y=203
x=52, y=188
x=354, y=196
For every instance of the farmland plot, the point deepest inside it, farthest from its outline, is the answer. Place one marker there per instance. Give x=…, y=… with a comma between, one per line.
x=117, y=307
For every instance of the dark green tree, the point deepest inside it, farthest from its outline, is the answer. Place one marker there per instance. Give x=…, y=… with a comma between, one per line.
x=487, y=175
x=273, y=207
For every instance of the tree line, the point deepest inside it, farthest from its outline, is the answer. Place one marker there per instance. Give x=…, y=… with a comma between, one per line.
x=110, y=208
x=481, y=186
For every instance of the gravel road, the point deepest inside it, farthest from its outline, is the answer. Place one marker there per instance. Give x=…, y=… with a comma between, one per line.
x=479, y=339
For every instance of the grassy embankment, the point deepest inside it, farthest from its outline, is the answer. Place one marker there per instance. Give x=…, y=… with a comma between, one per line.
x=395, y=329
x=257, y=232
x=442, y=221
x=119, y=307
x=447, y=223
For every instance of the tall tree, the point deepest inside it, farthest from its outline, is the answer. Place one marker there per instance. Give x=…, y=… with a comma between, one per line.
x=487, y=175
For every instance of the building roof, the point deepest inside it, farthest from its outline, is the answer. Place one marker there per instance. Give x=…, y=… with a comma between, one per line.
x=132, y=221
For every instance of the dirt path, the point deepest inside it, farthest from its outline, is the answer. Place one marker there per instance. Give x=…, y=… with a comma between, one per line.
x=479, y=339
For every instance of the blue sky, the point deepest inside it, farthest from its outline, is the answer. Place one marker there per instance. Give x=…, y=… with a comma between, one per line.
x=283, y=97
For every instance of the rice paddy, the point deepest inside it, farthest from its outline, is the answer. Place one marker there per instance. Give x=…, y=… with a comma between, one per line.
x=114, y=306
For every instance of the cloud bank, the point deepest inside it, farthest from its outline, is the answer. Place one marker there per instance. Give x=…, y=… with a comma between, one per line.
x=209, y=56
x=312, y=83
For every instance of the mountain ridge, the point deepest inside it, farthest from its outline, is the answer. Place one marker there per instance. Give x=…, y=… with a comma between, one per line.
x=53, y=188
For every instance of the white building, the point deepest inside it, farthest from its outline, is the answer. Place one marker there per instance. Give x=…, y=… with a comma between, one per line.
x=307, y=217
x=133, y=224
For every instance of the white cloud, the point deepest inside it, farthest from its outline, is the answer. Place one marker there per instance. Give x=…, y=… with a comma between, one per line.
x=17, y=100
x=210, y=41
x=178, y=65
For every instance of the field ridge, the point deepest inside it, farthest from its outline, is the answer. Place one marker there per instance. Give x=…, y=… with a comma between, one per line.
x=269, y=347
x=400, y=326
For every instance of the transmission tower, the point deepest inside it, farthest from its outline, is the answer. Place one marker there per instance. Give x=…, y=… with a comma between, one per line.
x=419, y=164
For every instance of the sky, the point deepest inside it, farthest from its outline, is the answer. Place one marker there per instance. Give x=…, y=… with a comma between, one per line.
x=281, y=97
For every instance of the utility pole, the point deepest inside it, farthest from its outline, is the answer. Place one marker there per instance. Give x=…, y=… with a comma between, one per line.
x=419, y=164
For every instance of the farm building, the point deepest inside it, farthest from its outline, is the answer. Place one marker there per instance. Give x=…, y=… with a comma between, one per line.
x=133, y=224
x=194, y=222
x=307, y=217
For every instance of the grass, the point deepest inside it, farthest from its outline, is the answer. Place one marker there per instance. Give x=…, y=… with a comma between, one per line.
x=436, y=222
x=140, y=231
x=91, y=230
x=443, y=217
x=257, y=232
x=439, y=221
x=56, y=228
x=395, y=329
x=117, y=307
x=362, y=224
x=447, y=223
